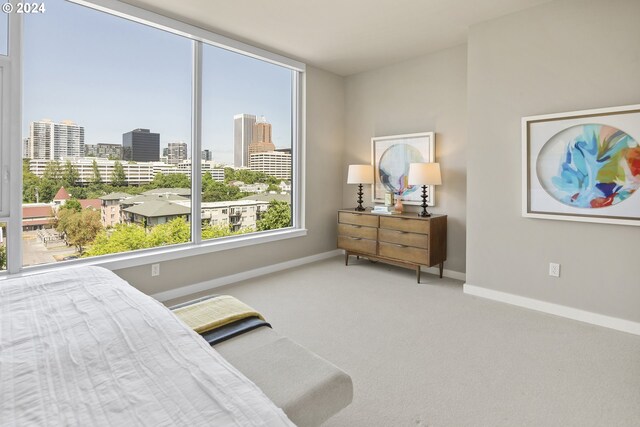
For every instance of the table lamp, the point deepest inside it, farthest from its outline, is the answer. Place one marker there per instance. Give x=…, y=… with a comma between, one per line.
x=424, y=174
x=360, y=174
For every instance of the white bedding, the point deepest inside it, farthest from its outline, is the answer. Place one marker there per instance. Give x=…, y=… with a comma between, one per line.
x=82, y=347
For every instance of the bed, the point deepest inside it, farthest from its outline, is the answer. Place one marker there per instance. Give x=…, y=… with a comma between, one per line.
x=82, y=347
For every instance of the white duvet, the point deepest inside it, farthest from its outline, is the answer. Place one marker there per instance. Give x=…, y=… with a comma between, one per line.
x=84, y=348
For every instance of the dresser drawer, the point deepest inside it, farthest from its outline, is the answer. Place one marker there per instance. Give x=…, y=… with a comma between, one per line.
x=357, y=231
x=357, y=244
x=405, y=224
x=404, y=253
x=404, y=238
x=357, y=219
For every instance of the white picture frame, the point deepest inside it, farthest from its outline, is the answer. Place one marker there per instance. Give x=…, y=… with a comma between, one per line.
x=395, y=153
x=558, y=179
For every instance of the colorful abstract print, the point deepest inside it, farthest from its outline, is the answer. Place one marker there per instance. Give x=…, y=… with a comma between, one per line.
x=599, y=166
x=393, y=168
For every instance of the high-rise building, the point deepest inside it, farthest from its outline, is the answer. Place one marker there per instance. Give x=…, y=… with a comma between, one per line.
x=261, y=142
x=103, y=151
x=141, y=145
x=206, y=155
x=90, y=150
x=55, y=141
x=109, y=151
x=272, y=163
x=242, y=138
x=176, y=152
x=26, y=150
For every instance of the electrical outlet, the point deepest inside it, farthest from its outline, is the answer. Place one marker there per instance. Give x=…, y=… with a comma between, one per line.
x=155, y=269
x=554, y=269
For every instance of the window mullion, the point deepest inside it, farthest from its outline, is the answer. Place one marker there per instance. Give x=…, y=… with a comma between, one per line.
x=298, y=145
x=196, y=144
x=12, y=176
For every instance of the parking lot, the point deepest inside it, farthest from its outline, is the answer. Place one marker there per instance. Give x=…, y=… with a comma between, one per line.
x=36, y=252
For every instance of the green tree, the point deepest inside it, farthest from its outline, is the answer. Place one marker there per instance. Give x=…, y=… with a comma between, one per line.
x=215, y=231
x=70, y=175
x=173, y=180
x=229, y=175
x=50, y=182
x=175, y=231
x=47, y=189
x=96, y=178
x=278, y=215
x=67, y=216
x=3, y=257
x=53, y=172
x=218, y=191
x=82, y=228
x=118, y=177
x=30, y=184
x=64, y=217
x=207, y=181
x=123, y=238
x=80, y=193
x=3, y=249
x=71, y=204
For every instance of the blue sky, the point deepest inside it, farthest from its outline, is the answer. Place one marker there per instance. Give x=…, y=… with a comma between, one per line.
x=112, y=75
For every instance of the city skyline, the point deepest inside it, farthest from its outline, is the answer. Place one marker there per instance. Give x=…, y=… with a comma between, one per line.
x=85, y=81
x=258, y=140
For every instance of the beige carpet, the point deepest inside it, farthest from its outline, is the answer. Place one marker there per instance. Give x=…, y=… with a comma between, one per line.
x=428, y=355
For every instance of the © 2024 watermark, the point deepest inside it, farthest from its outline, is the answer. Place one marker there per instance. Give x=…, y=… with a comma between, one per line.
x=24, y=8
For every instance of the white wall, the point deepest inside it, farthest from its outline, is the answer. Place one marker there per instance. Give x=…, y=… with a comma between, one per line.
x=561, y=56
x=324, y=150
x=424, y=94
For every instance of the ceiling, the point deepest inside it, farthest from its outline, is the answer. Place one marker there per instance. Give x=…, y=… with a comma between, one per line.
x=341, y=36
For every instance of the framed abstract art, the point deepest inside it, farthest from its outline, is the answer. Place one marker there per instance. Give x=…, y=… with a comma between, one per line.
x=582, y=166
x=391, y=156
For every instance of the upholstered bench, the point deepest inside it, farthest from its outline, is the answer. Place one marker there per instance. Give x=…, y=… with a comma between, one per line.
x=308, y=388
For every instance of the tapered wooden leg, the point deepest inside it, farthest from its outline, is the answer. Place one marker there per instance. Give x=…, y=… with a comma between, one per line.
x=346, y=258
x=418, y=273
x=357, y=257
x=441, y=268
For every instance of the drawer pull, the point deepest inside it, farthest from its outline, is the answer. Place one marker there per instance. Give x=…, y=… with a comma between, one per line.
x=400, y=246
x=357, y=238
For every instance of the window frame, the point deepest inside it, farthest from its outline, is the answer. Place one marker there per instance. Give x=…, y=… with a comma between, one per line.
x=11, y=154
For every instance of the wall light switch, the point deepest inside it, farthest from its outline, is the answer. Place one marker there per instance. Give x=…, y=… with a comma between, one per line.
x=155, y=269
x=554, y=269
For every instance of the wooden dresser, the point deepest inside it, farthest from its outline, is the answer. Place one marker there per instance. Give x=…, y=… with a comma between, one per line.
x=406, y=240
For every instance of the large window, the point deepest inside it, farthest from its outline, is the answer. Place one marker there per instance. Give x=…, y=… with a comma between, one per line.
x=139, y=132
x=246, y=126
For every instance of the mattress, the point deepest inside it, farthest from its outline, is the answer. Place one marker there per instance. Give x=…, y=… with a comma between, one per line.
x=82, y=347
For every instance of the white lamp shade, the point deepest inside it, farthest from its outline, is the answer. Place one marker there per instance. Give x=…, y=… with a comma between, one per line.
x=360, y=174
x=424, y=174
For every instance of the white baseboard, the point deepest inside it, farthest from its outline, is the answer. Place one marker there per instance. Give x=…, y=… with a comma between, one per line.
x=250, y=274
x=555, y=309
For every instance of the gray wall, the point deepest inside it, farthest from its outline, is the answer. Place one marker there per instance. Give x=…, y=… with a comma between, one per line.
x=324, y=149
x=420, y=95
x=561, y=56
